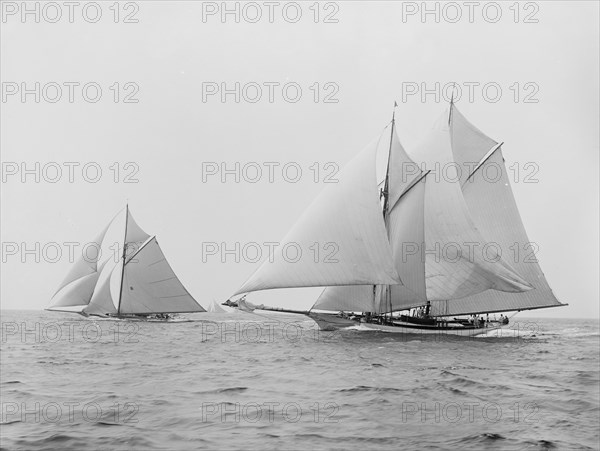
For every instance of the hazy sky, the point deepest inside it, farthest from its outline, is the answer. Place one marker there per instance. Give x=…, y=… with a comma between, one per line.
x=542, y=56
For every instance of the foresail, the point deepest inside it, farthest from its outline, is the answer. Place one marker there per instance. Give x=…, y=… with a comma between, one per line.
x=491, y=202
x=345, y=226
x=102, y=301
x=76, y=293
x=78, y=286
x=459, y=262
x=151, y=286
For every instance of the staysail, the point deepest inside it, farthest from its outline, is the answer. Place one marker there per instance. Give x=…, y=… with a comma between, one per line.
x=488, y=194
x=140, y=281
x=345, y=220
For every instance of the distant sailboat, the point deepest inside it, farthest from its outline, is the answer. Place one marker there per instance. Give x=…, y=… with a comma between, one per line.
x=214, y=307
x=138, y=283
x=418, y=244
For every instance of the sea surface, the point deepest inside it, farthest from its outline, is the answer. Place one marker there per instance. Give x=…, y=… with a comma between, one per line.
x=273, y=381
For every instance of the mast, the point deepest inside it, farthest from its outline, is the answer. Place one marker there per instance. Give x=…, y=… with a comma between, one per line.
x=124, y=255
x=385, y=194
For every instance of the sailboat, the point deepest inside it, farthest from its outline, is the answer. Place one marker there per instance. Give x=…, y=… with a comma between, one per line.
x=132, y=280
x=436, y=240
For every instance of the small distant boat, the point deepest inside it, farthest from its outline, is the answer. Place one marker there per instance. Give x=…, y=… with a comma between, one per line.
x=214, y=307
x=437, y=245
x=140, y=284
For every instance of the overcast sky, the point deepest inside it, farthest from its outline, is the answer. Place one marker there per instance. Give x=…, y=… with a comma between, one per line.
x=351, y=60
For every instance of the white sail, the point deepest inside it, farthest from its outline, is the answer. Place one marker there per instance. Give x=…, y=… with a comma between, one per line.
x=78, y=286
x=436, y=246
x=102, y=301
x=75, y=293
x=151, y=286
x=458, y=260
x=346, y=225
x=214, y=307
x=405, y=226
x=493, y=208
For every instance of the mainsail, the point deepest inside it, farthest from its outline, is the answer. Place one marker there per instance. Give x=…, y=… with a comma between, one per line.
x=345, y=218
x=140, y=282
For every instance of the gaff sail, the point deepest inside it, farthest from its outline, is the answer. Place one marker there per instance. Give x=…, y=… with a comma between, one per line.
x=347, y=217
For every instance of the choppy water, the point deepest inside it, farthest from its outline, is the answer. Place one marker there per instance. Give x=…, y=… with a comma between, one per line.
x=239, y=381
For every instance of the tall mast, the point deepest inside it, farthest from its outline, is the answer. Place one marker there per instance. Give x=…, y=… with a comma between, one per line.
x=385, y=194
x=387, y=171
x=124, y=255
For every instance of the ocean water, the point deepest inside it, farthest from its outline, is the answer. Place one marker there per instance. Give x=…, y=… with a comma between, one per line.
x=244, y=381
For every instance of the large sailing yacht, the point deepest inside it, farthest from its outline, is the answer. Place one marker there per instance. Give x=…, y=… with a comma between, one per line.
x=437, y=239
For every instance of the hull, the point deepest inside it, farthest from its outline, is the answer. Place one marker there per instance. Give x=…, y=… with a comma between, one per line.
x=406, y=325
x=406, y=328
x=331, y=322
